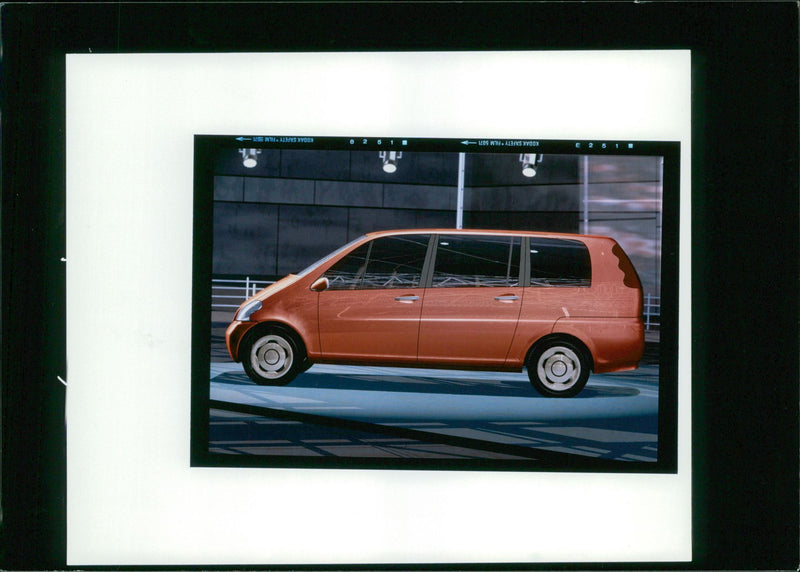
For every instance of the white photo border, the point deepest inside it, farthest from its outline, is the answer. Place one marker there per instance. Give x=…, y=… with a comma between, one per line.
x=132, y=496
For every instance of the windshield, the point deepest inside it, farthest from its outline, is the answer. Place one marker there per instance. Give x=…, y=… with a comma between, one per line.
x=323, y=260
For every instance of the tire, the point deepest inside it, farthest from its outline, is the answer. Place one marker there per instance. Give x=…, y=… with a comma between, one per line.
x=558, y=368
x=272, y=357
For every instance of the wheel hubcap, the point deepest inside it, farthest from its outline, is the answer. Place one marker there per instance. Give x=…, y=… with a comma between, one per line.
x=559, y=368
x=271, y=356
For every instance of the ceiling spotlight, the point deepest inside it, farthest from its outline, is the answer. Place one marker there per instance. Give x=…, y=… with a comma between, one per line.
x=529, y=162
x=249, y=157
x=390, y=159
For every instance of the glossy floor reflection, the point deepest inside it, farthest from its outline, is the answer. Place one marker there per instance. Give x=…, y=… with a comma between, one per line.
x=614, y=417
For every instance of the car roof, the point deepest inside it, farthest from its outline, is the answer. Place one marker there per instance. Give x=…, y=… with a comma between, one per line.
x=474, y=231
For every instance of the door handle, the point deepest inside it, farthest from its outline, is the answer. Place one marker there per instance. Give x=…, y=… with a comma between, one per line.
x=507, y=298
x=407, y=298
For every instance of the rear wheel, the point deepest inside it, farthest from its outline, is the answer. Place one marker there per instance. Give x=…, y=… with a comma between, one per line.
x=272, y=357
x=558, y=368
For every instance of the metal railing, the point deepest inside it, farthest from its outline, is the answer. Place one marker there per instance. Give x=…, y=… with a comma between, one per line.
x=652, y=312
x=229, y=293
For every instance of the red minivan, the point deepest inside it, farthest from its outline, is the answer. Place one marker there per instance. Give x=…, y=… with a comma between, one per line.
x=560, y=305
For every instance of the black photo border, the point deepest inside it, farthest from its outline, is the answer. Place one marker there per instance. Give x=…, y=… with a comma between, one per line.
x=744, y=133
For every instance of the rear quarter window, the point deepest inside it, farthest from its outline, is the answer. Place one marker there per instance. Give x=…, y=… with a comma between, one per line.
x=559, y=262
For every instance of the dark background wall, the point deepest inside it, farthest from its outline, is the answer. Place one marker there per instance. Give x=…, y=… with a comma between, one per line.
x=296, y=206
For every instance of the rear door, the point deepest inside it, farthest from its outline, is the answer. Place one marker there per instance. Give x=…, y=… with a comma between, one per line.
x=473, y=302
x=371, y=309
x=559, y=274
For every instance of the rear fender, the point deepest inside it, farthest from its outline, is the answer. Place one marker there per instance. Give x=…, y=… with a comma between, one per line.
x=615, y=344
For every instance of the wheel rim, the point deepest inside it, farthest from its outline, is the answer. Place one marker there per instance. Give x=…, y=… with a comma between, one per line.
x=271, y=356
x=559, y=368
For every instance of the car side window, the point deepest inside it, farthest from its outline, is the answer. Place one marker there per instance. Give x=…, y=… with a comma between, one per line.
x=349, y=271
x=386, y=262
x=560, y=262
x=476, y=261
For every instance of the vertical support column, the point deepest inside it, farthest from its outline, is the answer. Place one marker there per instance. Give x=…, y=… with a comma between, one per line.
x=460, y=202
x=585, y=191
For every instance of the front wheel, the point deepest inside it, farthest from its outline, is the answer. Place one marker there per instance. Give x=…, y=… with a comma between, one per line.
x=558, y=369
x=272, y=357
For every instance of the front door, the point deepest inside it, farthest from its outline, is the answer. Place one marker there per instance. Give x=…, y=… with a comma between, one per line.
x=371, y=309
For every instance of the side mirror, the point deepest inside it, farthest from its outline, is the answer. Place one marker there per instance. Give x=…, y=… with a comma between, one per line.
x=320, y=284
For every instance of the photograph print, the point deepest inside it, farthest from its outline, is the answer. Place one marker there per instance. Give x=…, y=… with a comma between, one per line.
x=435, y=304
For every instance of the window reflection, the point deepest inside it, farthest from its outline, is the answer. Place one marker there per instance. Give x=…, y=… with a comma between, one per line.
x=388, y=262
x=558, y=262
x=476, y=261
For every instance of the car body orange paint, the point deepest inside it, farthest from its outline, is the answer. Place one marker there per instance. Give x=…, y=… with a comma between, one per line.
x=425, y=317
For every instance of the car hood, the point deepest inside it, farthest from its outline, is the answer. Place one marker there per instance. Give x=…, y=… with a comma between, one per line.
x=273, y=288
